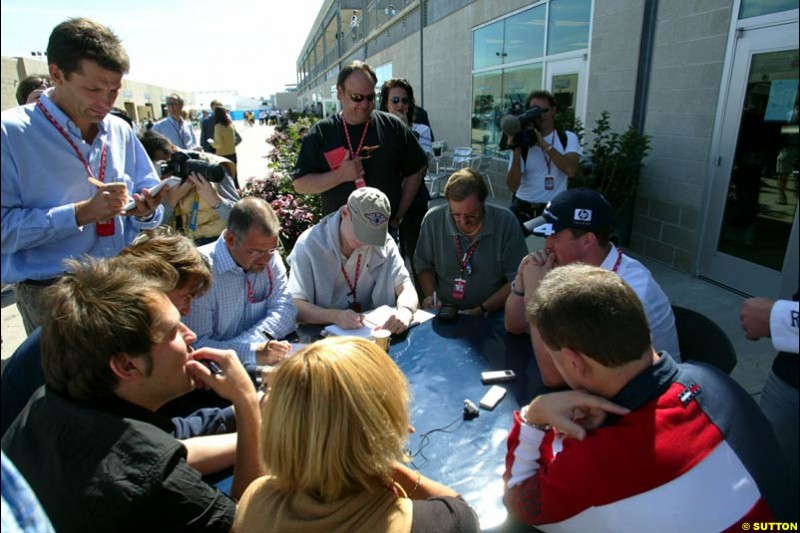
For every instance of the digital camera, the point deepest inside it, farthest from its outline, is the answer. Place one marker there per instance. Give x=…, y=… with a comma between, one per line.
x=180, y=164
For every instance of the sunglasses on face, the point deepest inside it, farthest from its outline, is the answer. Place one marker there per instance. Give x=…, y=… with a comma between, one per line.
x=358, y=98
x=396, y=100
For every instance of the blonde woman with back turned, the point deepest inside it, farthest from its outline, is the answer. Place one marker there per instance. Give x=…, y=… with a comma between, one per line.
x=333, y=436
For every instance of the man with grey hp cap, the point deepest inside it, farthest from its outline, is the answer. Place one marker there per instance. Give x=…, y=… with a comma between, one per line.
x=577, y=226
x=371, y=272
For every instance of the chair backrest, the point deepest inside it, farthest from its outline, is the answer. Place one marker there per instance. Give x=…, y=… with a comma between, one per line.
x=701, y=339
x=475, y=162
x=461, y=155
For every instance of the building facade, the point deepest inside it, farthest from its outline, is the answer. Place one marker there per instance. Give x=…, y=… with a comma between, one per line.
x=140, y=101
x=712, y=82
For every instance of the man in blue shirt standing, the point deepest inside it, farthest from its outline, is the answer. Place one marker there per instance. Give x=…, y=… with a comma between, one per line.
x=69, y=169
x=173, y=127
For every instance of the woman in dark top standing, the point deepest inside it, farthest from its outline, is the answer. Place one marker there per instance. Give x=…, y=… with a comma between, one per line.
x=397, y=98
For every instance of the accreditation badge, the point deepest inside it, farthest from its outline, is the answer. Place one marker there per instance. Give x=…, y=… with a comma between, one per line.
x=549, y=183
x=459, y=286
x=105, y=228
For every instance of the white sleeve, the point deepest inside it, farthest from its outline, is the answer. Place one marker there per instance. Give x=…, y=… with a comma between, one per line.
x=783, y=326
x=573, y=145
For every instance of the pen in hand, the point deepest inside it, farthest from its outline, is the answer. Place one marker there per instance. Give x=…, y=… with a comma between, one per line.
x=435, y=299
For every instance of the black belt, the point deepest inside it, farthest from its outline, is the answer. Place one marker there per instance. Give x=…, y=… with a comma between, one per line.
x=40, y=282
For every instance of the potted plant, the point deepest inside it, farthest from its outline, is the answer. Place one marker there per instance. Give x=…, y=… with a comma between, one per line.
x=611, y=165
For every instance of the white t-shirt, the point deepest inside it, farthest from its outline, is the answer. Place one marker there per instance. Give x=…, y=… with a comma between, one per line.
x=655, y=302
x=534, y=170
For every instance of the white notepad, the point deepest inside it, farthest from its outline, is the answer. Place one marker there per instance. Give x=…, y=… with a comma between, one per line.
x=375, y=319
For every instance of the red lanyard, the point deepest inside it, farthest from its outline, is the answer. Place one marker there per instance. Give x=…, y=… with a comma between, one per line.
x=360, y=143
x=619, y=260
x=548, y=160
x=464, y=261
x=353, y=285
x=250, y=296
x=64, y=134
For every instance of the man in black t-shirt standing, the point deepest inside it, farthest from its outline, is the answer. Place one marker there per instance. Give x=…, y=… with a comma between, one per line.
x=360, y=147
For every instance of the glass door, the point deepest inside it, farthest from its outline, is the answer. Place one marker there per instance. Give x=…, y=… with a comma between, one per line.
x=565, y=80
x=751, y=230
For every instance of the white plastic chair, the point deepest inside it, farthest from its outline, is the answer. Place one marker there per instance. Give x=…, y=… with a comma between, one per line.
x=475, y=163
x=462, y=157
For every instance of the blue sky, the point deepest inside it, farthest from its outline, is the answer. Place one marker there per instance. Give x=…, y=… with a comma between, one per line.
x=249, y=46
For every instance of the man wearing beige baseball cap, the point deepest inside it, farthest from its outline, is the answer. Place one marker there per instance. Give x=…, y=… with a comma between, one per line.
x=347, y=264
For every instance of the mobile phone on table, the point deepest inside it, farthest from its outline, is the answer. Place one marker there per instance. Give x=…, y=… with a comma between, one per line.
x=493, y=397
x=497, y=376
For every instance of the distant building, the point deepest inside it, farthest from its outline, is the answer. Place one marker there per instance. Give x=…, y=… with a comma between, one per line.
x=139, y=100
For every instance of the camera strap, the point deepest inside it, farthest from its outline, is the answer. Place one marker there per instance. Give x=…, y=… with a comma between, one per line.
x=193, y=216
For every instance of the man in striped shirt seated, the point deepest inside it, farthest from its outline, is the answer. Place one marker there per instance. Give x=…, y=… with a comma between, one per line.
x=641, y=443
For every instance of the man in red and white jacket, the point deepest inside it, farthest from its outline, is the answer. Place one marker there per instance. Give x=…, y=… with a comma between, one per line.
x=641, y=443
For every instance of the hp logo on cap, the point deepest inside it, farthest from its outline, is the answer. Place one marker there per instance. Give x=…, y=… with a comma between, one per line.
x=583, y=215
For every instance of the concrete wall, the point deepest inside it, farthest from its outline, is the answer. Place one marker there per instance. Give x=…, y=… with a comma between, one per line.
x=690, y=41
x=616, y=33
x=404, y=57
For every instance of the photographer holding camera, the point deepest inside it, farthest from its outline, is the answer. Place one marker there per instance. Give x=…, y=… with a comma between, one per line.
x=543, y=157
x=203, y=215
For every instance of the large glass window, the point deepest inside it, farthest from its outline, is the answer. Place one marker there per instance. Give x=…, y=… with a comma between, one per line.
x=518, y=82
x=487, y=48
x=519, y=40
x=525, y=35
x=754, y=8
x=320, y=53
x=569, y=25
x=516, y=38
x=493, y=93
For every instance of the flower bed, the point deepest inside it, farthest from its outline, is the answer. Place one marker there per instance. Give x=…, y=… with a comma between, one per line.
x=296, y=212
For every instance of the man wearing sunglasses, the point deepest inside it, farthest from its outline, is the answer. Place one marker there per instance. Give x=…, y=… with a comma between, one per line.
x=537, y=173
x=360, y=147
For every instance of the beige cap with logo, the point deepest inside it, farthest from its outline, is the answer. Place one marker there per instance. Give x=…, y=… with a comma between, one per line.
x=370, y=212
